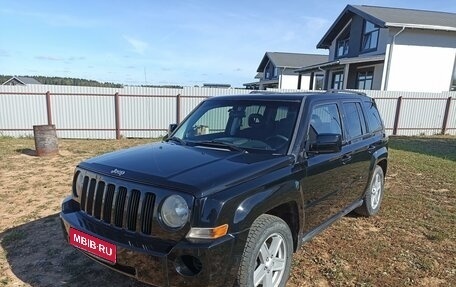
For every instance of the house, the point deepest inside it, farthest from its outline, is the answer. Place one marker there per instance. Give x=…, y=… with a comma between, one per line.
x=21, y=81
x=277, y=70
x=393, y=49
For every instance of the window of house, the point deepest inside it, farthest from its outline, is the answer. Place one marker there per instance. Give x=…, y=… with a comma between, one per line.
x=364, y=79
x=342, y=44
x=370, y=36
x=337, y=81
x=270, y=71
x=354, y=120
x=319, y=82
x=275, y=72
x=453, y=79
x=342, y=47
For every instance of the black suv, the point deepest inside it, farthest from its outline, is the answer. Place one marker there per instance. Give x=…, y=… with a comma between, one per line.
x=233, y=191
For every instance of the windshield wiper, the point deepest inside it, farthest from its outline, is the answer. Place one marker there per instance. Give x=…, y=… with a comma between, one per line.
x=177, y=140
x=218, y=144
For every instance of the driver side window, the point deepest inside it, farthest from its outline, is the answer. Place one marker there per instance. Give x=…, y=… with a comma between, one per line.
x=325, y=119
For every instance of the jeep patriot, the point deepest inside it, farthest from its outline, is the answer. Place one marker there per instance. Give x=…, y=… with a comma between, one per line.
x=232, y=191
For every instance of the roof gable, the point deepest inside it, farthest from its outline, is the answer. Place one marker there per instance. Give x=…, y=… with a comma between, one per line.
x=290, y=60
x=391, y=17
x=23, y=80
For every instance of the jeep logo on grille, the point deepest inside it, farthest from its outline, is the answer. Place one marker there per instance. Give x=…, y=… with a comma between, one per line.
x=118, y=172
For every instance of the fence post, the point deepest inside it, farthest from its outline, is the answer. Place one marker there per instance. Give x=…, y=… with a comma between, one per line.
x=396, y=117
x=48, y=107
x=445, y=115
x=117, y=115
x=178, y=108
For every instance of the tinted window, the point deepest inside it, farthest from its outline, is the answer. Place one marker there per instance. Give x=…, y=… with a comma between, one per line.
x=354, y=120
x=214, y=121
x=247, y=124
x=249, y=110
x=325, y=119
x=373, y=117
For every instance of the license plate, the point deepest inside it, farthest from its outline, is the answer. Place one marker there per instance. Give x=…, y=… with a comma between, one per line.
x=93, y=245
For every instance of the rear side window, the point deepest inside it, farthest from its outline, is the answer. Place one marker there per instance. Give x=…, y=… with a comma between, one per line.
x=373, y=117
x=354, y=120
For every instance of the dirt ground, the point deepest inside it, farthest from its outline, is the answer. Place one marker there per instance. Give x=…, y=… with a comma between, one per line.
x=412, y=242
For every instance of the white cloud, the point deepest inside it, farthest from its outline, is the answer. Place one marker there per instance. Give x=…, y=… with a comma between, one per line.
x=138, y=46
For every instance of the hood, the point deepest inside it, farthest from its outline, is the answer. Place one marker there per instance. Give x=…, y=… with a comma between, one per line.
x=195, y=170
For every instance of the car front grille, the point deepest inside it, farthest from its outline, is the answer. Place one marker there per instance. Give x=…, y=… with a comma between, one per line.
x=118, y=205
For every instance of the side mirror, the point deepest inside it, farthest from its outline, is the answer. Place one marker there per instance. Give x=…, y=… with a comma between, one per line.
x=171, y=129
x=326, y=143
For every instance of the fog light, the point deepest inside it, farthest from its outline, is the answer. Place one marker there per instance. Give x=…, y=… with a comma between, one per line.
x=188, y=265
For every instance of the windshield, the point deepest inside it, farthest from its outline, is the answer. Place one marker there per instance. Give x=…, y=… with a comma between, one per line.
x=251, y=125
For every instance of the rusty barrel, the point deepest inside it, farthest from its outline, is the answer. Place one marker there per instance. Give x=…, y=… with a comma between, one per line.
x=45, y=140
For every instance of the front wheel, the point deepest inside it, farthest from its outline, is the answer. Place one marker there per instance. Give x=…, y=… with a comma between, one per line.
x=266, y=260
x=374, y=194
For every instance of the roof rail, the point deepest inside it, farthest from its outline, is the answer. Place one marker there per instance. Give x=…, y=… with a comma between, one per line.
x=332, y=91
x=263, y=92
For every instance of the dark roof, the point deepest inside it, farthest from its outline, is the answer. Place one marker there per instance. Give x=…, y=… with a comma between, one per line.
x=290, y=60
x=391, y=17
x=23, y=80
x=342, y=61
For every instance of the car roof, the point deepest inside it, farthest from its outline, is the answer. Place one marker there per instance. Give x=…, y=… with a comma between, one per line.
x=294, y=96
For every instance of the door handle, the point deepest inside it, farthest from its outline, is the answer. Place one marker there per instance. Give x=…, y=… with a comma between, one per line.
x=371, y=148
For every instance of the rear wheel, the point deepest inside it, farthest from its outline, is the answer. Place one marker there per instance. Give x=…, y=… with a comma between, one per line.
x=267, y=254
x=374, y=194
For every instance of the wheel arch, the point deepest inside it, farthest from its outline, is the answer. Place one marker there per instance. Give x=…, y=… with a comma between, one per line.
x=289, y=213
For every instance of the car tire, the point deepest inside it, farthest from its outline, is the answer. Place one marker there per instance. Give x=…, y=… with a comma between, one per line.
x=373, y=195
x=267, y=254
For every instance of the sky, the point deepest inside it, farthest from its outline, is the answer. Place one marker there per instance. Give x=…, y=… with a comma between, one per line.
x=169, y=42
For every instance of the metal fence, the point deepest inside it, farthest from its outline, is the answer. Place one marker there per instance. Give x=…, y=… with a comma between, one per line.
x=104, y=113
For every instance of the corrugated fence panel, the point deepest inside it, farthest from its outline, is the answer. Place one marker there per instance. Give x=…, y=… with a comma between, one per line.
x=19, y=113
x=146, y=116
x=421, y=116
x=451, y=126
x=188, y=104
x=84, y=116
x=146, y=91
x=88, y=112
x=211, y=92
x=387, y=109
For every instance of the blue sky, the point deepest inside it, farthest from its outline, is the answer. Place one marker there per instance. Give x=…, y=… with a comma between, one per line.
x=165, y=42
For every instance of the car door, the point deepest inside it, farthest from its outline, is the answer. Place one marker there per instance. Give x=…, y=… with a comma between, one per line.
x=322, y=181
x=356, y=152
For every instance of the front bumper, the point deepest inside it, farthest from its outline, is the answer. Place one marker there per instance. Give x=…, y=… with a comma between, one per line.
x=161, y=263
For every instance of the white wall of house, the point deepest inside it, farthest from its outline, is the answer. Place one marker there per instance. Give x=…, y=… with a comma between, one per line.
x=289, y=82
x=422, y=61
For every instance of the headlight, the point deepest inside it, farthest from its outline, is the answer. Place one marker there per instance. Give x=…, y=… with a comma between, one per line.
x=78, y=182
x=174, y=211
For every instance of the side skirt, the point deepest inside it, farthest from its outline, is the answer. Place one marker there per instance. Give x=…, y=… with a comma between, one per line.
x=311, y=234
